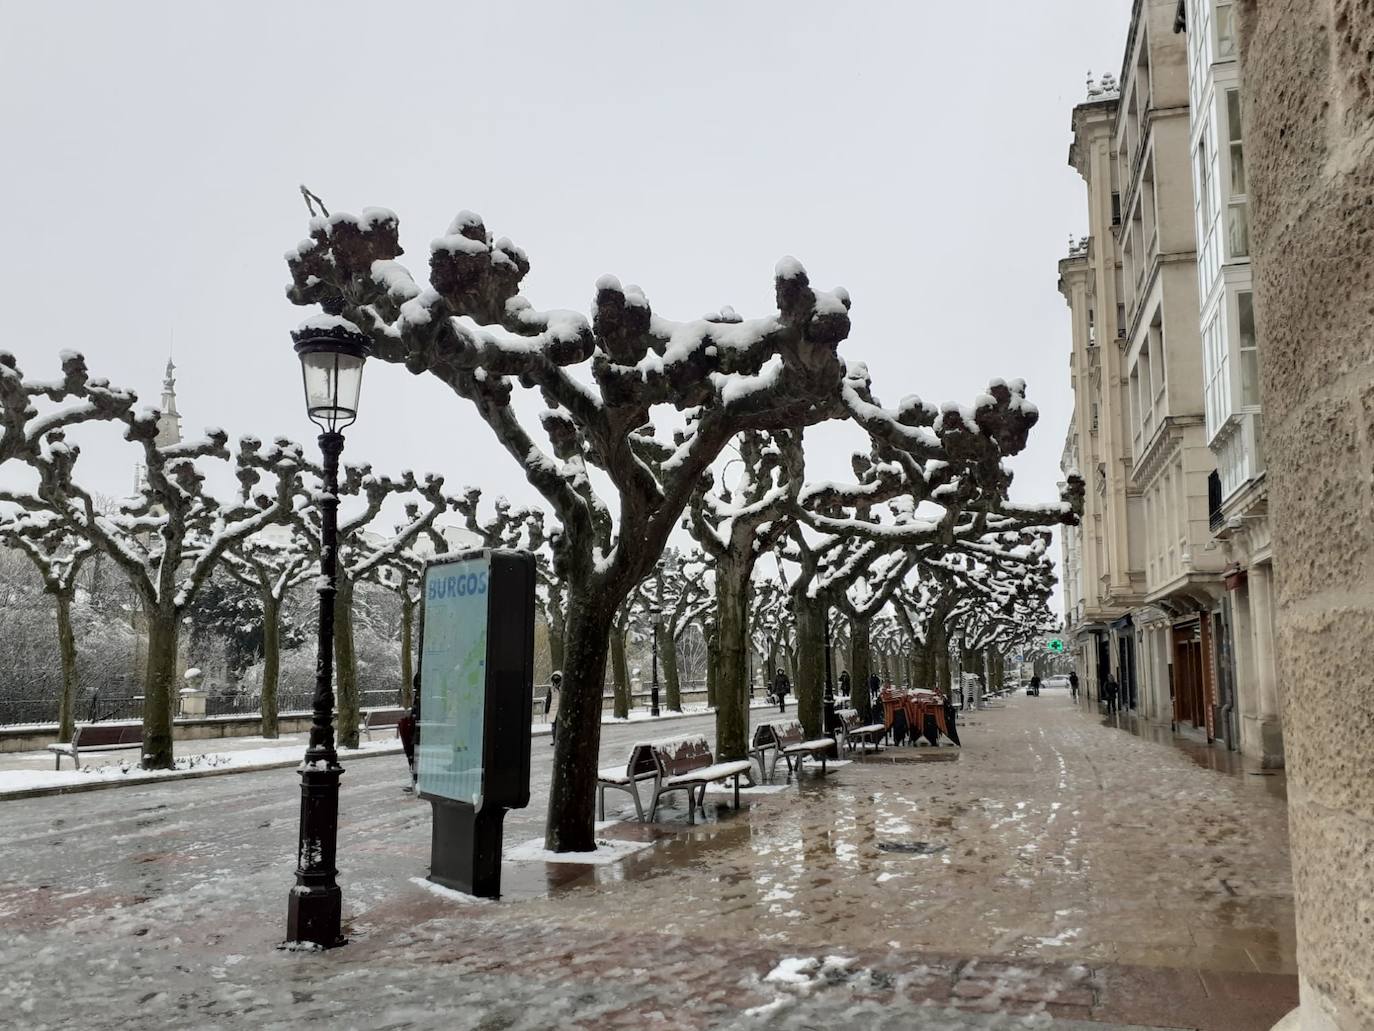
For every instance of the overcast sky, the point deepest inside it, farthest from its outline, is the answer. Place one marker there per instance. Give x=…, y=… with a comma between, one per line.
x=914, y=153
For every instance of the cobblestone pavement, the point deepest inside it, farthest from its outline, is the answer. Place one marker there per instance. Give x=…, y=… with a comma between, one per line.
x=1061, y=874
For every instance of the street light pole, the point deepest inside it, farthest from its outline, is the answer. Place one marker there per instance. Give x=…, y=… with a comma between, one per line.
x=653, y=687
x=332, y=352
x=829, y=700
x=314, y=911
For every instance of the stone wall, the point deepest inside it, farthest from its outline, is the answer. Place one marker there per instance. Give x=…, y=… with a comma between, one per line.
x=1309, y=138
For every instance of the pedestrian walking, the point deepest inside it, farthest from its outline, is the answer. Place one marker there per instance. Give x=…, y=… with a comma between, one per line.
x=875, y=688
x=845, y=690
x=552, y=702
x=1073, y=686
x=408, y=727
x=781, y=687
x=1034, y=686
x=1110, y=691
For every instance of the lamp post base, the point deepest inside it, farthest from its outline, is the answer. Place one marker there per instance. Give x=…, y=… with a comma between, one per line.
x=314, y=914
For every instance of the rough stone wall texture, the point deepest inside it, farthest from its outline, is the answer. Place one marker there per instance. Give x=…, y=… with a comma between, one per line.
x=1309, y=134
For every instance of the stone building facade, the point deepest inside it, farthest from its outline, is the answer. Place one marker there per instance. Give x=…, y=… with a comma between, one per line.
x=1238, y=491
x=1137, y=376
x=1308, y=125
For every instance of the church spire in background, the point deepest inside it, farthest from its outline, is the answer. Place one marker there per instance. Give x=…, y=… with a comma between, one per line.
x=169, y=422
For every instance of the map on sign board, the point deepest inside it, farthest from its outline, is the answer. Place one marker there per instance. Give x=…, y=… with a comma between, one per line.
x=453, y=678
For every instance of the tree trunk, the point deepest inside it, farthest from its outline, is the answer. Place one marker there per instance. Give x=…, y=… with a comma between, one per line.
x=159, y=687
x=667, y=657
x=66, y=643
x=345, y=664
x=621, y=674
x=572, y=793
x=859, y=668
x=921, y=677
x=407, y=648
x=810, y=683
x=732, y=688
x=271, y=663
x=940, y=665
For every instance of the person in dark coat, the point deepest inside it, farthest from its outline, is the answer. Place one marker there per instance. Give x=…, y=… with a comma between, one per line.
x=781, y=688
x=845, y=689
x=1110, y=691
x=408, y=727
x=1073, y=686
x=875, y=688
x=555, y=688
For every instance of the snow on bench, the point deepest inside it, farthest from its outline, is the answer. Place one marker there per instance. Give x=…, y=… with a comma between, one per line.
x=854, y=730
x=673, y=764
x=784, y=739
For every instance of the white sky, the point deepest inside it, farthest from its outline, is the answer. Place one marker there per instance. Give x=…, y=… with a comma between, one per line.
x=913, y=152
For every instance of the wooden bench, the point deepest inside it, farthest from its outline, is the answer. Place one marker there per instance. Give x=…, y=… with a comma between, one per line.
x=98, y=737
x=854, y=729
x=673, y=764
x=784, y=739
x=382, y=719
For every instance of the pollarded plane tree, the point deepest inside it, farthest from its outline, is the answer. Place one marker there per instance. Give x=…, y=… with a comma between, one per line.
x=472, y=330
x=170, y=536
x=678, y=594
x=940, y=471
x=272, y=564
x=773, y=629
x=361, y=551
x=1007, y=605
x=57, y=553
x=957, y=589
x=30, y=409
x=734, y=526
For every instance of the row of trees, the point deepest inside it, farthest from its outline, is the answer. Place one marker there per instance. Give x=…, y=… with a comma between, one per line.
x=925, y=530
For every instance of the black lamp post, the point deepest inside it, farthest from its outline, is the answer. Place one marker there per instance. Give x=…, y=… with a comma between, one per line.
x=657, y=614
x=829, y=700
x=332, y=352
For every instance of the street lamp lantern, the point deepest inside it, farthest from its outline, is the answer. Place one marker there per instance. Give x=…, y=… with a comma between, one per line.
x=332, y=352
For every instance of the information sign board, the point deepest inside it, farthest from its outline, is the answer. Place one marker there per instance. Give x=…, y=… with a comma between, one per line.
x=453, y=678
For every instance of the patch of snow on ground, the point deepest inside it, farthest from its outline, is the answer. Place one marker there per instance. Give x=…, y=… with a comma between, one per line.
x=448, y=893
x=607, y=851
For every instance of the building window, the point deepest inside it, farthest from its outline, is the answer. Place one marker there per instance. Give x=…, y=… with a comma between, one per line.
x=1116, y=208
x=1237, y=218
x=1249, y=350
x=1226, y=31
x=1215, y=374
x=1120, y=319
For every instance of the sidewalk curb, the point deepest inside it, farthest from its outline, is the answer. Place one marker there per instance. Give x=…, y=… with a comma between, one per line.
x=102, y=785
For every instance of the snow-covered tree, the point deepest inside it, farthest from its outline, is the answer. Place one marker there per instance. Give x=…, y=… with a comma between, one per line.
x=472, y=330
x=272, y=565
x=75, y=398
x=679, y=589
x=57, y=553
x=169, y=536
x=734, y=526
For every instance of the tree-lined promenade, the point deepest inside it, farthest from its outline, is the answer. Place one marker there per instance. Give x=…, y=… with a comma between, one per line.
x=919, y=551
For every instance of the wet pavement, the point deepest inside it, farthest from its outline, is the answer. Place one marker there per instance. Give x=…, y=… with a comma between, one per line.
x=1060, y=873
